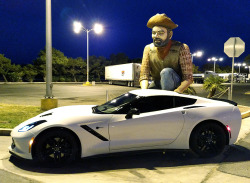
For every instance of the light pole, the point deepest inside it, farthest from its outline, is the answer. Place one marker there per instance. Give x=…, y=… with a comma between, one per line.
x=49, y=102
x=196, y=54
x=98, y=28
x=239, y=64
x=248, y=68
x=214, y=59
x=48, y=50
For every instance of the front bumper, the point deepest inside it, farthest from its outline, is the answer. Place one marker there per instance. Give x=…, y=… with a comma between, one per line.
x=20, y=146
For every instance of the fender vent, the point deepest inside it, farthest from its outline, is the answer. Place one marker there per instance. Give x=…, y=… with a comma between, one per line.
x=93, y=132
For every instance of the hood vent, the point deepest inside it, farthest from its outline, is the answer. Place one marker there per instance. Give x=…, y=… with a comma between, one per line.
x=48, y=114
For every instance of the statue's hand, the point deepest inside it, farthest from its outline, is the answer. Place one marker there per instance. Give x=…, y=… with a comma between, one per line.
x=144, y=84
x=177, y=90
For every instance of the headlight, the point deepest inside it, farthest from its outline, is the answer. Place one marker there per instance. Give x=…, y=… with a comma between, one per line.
x=31, y=125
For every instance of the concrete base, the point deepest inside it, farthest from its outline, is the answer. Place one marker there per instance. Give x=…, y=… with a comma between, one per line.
x=87, y=84
x=48, y=103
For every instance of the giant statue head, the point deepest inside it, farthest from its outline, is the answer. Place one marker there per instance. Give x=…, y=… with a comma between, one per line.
x=162, y=27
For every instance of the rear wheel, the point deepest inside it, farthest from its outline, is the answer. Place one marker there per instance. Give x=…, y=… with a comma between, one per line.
x=208, y=140
x=57, y=147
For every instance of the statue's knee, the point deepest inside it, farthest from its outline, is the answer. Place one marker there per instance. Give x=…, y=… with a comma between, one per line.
x=166, y=71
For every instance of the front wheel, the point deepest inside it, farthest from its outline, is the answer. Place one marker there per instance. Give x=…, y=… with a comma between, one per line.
x=208, y=140
x=56, y=147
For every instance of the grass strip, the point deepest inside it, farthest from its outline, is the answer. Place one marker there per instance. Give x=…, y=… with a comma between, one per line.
x=12, y=115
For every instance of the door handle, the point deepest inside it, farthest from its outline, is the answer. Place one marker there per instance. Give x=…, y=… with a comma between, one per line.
x=183, y=112
x=99, y=127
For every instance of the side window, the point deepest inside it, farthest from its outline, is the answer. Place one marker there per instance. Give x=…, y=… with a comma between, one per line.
x=182, y=101
x=124, y=109
x=155, y=103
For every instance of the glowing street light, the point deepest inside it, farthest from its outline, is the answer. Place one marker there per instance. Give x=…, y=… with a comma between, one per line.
x=214, y=59
x=239, y=65
x=77, y=27
x=196, y=54
x=98, y=29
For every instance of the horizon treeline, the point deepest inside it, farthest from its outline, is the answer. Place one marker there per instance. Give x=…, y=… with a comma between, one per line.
x=67, y=69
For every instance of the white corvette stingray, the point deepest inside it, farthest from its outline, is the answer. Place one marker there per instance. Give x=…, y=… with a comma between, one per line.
x=137, y=120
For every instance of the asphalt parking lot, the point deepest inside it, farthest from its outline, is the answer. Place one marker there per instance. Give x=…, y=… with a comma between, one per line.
x=76, y=93
x=67, y=94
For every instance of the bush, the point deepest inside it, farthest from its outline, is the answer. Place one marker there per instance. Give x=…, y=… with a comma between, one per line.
x=61, y=79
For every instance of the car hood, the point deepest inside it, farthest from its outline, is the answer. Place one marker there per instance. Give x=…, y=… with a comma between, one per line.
x=67, y=111
x=67, y=115
x=72, y=114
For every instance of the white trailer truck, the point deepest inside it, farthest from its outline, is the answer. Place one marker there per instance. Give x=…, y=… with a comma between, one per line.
x=127, y=74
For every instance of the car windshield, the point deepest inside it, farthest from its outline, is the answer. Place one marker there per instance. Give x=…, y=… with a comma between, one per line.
x=115, y=104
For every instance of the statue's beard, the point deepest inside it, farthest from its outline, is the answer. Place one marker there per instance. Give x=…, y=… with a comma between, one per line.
x=160, y=43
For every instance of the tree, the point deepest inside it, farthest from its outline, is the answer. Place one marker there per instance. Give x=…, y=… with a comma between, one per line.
x=208, y=67
x=218, y=69
x=16, y=73
x=40, y=64
x=97, y=67
x=247, y=59
x=135, y=60
x=120, y=58
x=226, y=69
x=196, y=69
x=75, y=67
x=5, y=66
x=213, y=83
x=59, y=62
x=29, y=72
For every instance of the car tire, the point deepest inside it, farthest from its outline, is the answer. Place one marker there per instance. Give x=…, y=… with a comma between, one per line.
x=208, y=140
x=56, y=147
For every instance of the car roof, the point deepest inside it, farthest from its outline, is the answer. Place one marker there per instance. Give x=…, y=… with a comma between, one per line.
x=153, y=92
x=157, y=92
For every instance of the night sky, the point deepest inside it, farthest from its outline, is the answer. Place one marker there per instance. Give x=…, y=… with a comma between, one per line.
x=203, y=25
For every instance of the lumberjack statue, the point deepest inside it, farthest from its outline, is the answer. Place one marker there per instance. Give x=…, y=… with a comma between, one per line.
x=167, y=61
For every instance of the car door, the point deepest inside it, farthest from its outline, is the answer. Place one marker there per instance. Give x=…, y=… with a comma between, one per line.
x=158, y=124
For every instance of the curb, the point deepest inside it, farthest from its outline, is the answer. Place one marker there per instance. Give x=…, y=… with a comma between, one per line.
x=245, y=114
x=7, y=131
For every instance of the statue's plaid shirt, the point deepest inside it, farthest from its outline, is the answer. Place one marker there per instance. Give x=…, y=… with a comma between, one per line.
x=184, y=60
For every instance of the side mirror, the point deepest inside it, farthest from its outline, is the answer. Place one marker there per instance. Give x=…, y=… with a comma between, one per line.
x=132, y=112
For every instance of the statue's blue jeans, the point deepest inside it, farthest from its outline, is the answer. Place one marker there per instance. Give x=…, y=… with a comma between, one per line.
x=170, y=80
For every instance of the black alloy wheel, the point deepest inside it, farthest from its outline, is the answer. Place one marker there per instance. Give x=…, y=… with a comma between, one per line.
x=56, y=147
x=208, y=140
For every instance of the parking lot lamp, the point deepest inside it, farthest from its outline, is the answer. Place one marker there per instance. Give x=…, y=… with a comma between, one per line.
x=196, y=54
x=239, y=65
x=214, y=59
x=98, y=28
x=248, y=68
